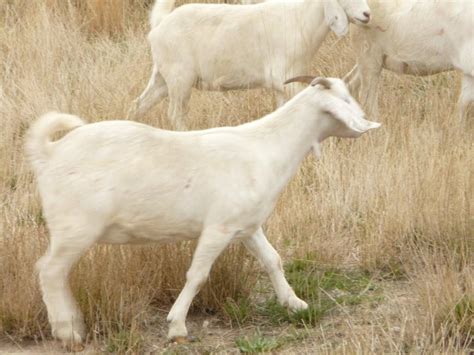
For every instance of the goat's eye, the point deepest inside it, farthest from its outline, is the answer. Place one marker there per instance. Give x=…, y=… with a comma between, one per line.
x=346, y=100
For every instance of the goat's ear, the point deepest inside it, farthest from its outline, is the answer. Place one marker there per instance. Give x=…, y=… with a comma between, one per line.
x=336, y=17
x=356, y=124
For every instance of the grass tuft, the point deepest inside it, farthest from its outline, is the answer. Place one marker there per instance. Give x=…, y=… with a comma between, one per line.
x=259, y=343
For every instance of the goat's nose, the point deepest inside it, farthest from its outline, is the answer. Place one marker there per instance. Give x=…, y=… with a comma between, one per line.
x=367, y=14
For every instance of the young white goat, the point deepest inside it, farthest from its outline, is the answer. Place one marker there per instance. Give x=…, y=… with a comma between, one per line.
x=218, y=185
x=225, y=47
x=418, y=37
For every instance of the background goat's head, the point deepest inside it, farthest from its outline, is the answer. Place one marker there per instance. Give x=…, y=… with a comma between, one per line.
x=338, y=13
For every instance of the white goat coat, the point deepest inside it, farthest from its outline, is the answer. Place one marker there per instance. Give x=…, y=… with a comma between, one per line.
x=160, y=185
x=125, y=182
x=419, y=37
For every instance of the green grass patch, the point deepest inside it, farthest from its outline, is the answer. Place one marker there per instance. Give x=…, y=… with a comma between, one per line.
x=323, y=290
x=124, y=341
x=239, y=311
x=274, y=313
x=259, y=343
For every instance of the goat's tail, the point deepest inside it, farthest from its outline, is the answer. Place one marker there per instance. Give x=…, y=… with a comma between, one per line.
x=161, y=8
x=38, y=139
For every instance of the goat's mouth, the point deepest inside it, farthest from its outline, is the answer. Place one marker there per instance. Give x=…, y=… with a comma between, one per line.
x=364, y=21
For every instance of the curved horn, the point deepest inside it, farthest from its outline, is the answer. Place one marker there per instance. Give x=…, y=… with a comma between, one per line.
x=300, y=79
x=325, y=83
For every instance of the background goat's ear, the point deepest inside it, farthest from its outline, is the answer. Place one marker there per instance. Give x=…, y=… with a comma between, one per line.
x=336, y=17
x=357, y=125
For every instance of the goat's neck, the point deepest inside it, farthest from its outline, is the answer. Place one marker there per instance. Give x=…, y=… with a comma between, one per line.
x=285, y=137
x=312, y=24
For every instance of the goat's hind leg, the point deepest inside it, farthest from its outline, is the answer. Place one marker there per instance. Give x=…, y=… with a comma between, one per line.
x=67, y=245
x=180, y=88
x=370, y=78
x=155, y=91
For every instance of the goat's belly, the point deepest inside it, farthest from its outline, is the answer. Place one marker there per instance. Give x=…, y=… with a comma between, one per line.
x=147, y=233
x=228, y=82
x=401, y=66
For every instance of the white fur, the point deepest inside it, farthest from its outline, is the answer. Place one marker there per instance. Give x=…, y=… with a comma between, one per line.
x=418, y=37
x=125, y=182
x=225, y=47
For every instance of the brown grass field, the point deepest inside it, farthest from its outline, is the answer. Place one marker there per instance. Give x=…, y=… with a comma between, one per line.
x=377, y=236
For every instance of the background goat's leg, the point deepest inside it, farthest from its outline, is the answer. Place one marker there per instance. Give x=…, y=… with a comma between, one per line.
x=155, y=91
x=180, y=88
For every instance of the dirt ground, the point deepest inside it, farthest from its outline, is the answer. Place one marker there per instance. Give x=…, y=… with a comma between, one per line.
x=344, y=327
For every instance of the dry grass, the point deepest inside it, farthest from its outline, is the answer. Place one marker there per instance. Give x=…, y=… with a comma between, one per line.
x=396, y=203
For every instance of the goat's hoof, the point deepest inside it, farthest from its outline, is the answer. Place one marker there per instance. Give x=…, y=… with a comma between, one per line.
x=179, y=340
x=74, y=347
x=72, y=340
x=183, y=340
x=295, y=304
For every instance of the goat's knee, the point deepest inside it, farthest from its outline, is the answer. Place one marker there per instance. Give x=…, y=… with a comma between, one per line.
x=273, y=263
x=197, y=278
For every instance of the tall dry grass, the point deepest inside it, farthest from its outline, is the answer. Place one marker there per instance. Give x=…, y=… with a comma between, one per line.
x=396, y=203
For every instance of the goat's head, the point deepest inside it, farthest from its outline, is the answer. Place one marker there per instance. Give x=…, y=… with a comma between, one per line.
x=338, y=13
x=340, y=114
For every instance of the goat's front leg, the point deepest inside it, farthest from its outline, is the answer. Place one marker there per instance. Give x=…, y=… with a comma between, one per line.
x=368, y=77
x=211, y=243
x=259, y=246
x=369, y=93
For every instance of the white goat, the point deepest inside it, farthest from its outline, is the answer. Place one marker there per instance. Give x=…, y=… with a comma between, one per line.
x=218, y=185
x=418, y=37
x=225, y=47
